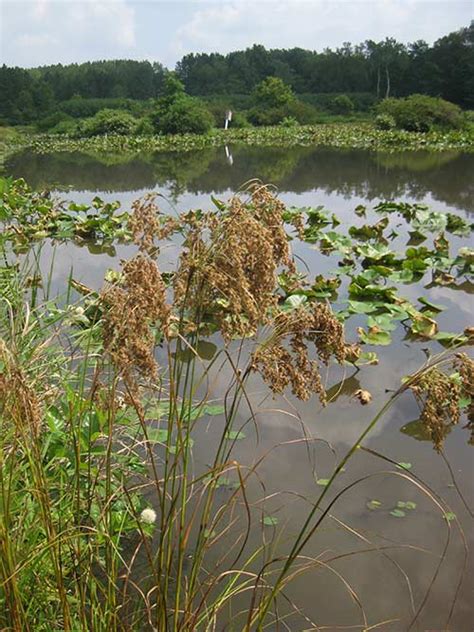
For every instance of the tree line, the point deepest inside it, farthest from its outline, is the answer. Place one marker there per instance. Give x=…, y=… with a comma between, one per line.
x=383, y=69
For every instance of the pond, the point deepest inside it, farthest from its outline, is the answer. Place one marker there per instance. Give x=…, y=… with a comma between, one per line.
x=384, y=554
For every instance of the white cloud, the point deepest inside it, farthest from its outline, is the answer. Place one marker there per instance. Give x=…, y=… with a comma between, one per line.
x=315, y=24
x=36, y=32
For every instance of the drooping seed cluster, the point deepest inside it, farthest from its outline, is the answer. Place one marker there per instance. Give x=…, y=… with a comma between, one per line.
x=228, y=268
x=439, y=396
x=285, y=360
x=18, y=399
x=131, y=308
x=147, y=223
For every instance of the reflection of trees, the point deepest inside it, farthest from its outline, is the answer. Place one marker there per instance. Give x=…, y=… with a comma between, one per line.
x=82, y=172
x=446, y=176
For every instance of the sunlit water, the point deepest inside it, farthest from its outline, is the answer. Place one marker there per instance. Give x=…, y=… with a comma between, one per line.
x=388, y=562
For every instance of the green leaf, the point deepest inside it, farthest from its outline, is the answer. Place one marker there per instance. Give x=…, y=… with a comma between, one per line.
x=449, y=516
x=435, y=307
x=374, y=336
x=373, y=505
x=404, y=466
x=397, y=513
x=322, y=481
x=235, y=435
x=270, y=521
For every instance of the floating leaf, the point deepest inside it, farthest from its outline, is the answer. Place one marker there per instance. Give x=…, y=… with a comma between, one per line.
x=404, y=466
x=270, y=521
x=449, y=516
x=373, y=505
x=397, y=513
x=322, y=481
x=375, y=336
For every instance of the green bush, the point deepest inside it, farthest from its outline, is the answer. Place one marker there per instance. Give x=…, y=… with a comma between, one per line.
x=385, y=121
x=108, y=122
x=185, y=115
x=52, y=120
x=79, y=107
x=69, y=127
x=341, y=104
x=303, y=113
x=272, y=93
x=289, y=121
x=421, y=113
x=145, y=127
x=178, y=113
x=363, y=101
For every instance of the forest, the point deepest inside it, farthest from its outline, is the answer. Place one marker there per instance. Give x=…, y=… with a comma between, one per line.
x=369, y=71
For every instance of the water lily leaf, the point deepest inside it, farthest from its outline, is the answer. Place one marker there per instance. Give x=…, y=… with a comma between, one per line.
x=406, y=504
x=423, y=325
x=398, y=513
x=270, y=521
x=373, y=505
x=294, y=301
x=375, y=336
x=458, y=225
x=363, y=307
x=435, y=307
x=367, y=357
x=360, y=210
x=382, y=321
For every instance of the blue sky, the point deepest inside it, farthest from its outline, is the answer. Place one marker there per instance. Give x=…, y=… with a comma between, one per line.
x=37, y=32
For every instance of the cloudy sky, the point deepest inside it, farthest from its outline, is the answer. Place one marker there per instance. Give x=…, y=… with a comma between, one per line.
x=36, y=32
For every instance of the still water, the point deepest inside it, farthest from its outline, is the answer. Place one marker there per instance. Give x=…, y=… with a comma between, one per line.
x=388, y=562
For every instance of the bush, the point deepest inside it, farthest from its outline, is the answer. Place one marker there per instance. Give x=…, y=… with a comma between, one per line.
x=272, y=93
x=289, y=121
x=185, y=115
x=363, y=101
x=145, y=127
x=385, y=121
x=79, y=107
x=108, y=122
x=52, y=120
x=421, y=113
x=303, y=113
x=69, y=127
x=341, y=104
x=178, y=113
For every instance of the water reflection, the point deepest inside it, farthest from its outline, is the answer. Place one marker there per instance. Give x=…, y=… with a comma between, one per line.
x=446, y=177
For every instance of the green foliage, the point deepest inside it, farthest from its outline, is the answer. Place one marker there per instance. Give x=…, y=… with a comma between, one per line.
x=177, y=113
x=272, y=93
x=421, y=113
x=108, y=122
x=342, y=104
x=52, y=120
x=289, y=121
x=385, y=122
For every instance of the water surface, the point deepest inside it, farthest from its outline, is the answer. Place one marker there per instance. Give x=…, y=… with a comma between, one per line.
x=387, y=561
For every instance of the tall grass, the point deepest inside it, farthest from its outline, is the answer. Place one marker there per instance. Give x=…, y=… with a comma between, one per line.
x=106, y=520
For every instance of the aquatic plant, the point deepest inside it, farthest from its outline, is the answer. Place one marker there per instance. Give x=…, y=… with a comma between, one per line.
x=107, y=519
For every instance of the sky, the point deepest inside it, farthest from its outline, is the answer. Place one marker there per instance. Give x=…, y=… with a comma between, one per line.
x=39, y=32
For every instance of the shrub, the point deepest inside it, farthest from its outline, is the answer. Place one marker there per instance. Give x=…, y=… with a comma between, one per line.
x=185, y=115
x=145, y=127
x=69, y=126
x=289, y=121
x=52, y=120
x=421, y=113
x=108, y=122
x=385, y=121
x=303, y=113
x=272, y=93
x=341, y=104
x=178, y=113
